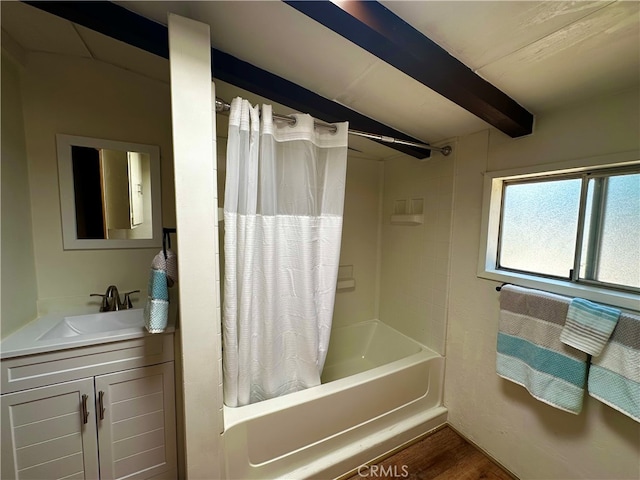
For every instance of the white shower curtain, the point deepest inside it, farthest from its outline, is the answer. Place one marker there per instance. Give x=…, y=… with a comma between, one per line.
x=284, y=197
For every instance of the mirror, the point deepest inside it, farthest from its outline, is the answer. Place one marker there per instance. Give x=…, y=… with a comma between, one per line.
x=109, y=193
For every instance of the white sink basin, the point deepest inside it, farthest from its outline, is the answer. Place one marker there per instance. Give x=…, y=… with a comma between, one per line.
x=95, y=323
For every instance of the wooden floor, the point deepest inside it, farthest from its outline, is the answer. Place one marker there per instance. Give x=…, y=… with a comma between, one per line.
x=444, y=455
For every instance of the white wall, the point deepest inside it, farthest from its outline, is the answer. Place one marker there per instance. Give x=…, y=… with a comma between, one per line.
x=194, y=147
x=532, y=439
x=19, y=291
x=415, y=259
x=81, y=96
x=360, y=242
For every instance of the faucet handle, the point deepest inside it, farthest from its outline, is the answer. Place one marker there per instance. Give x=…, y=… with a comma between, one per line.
x=127, y=300
x=104, y=306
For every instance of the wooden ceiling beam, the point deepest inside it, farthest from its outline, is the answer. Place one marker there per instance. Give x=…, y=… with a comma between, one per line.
x=379, y=31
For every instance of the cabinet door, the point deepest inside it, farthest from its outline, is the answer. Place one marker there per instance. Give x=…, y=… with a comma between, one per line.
x=47, y=434
x=136, y=423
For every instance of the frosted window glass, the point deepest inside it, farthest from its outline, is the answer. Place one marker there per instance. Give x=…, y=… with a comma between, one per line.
x=539, y=225
x=619, y=255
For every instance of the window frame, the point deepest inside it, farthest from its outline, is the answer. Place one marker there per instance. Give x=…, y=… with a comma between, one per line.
x=494, y=183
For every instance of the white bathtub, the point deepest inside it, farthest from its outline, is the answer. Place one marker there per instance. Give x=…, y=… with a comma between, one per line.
x=380, y=390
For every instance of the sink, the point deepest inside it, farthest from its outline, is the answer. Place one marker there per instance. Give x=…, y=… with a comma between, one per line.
x=95, y=323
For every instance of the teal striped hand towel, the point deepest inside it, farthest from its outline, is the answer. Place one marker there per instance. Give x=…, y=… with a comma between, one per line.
x=614, y=376
x=162, y=275
x=589, y=325
x=529, y=350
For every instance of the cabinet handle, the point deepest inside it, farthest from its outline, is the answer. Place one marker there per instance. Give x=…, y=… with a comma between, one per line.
x=85, y=411
x=101, y=404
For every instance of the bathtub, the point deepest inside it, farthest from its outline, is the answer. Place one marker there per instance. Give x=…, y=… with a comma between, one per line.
x=380, y=390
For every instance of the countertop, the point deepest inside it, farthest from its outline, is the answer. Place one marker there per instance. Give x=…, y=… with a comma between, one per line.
x=26, y=341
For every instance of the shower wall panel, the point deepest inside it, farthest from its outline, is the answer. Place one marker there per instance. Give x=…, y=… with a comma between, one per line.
x=415, y=258
x=360, y=242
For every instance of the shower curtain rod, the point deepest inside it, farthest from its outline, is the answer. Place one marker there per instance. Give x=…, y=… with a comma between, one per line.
x=224, y=107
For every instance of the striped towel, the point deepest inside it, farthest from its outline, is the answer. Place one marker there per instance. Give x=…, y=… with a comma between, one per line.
x=589, y=325
x=614, y=376
x=530, y=352
x=163, y=274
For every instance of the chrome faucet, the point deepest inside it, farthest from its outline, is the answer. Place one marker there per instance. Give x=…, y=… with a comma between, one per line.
x=111, y=299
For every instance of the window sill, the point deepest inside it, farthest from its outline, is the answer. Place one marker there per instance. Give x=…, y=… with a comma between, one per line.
x=624, y=300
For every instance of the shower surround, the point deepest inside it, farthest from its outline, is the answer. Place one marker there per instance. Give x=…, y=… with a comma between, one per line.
x=382, y=382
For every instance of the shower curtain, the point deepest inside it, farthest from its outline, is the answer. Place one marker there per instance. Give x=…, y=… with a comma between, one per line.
x=284, y=196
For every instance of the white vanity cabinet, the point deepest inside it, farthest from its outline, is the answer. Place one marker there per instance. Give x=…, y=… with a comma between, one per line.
x=43, y=434
x=98, y=412
x=136, y=423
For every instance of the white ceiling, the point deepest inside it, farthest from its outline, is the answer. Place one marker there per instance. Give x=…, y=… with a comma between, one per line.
x=542, y=54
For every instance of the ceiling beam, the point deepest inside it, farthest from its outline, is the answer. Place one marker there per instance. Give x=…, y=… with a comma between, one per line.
x=134, y=29
x=378, y=30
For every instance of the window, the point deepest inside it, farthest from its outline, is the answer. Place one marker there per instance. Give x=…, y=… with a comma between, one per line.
x=611, y=238
x=575, y=232
x=539, y=225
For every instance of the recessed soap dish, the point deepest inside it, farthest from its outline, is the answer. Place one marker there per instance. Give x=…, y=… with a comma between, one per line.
x=346, y=281
x=408, y=212
x=407, y=219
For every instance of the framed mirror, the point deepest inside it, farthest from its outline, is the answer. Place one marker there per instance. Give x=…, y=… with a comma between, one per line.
x=109, y=193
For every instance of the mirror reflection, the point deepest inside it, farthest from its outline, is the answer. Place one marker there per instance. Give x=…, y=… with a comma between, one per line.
x=109, y=193
x=112, y=193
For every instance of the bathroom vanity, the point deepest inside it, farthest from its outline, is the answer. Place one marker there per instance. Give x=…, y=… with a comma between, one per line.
x=96, y=403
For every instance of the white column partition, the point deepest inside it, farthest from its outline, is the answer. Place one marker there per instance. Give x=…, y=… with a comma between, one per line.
x=196, y=202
